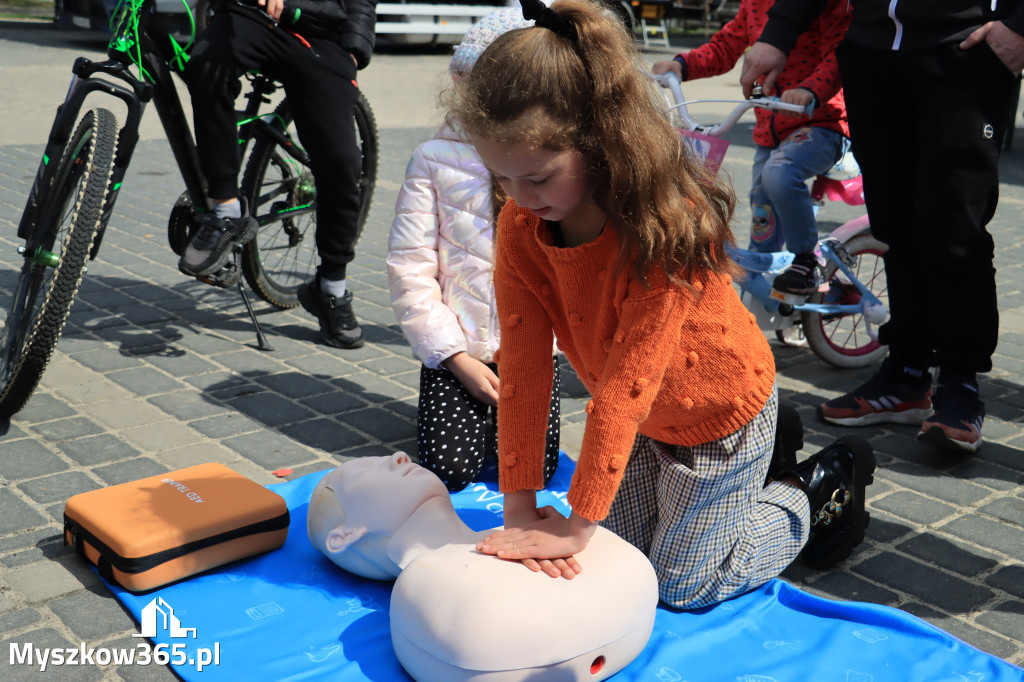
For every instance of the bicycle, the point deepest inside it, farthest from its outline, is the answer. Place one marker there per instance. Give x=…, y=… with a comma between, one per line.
x=71, y=201
x=839, y=321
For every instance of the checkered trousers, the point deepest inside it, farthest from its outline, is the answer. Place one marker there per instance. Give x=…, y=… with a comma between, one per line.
x=703, y=518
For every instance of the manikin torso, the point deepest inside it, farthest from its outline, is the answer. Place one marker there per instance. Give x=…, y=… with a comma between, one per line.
x=458, y=614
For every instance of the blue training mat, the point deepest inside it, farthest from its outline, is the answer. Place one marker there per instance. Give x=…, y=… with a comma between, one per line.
x=291, y=614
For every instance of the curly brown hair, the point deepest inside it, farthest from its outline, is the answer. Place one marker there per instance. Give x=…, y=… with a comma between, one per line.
x=591, y=95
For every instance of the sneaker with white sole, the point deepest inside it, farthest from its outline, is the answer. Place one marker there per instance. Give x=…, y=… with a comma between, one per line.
x=956, y=423
x=211, y=245
x=887, y=397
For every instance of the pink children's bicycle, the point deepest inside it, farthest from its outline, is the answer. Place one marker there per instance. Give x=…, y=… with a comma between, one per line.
x=840, y=320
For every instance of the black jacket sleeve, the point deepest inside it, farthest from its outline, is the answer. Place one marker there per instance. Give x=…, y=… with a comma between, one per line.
x=358, y=35
x=787, y=19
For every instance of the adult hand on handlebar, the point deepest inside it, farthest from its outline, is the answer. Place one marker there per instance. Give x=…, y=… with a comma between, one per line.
x=668, y=65
x=1006, y=43
x=799, y=96
x=272, y=7
x=761, y=60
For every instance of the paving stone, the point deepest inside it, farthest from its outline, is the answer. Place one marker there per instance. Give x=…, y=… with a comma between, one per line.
x=381, y=424
x=1006, y=618
x=916, y=508
x=187, y=405
x=226, y=424
x=57, y=487
x=269, y=450
x=295, y=385
x=92, y=450
x=933, y=484
x=42, y=639
x=46, y=580
x=144, y=381
x=27, y=459
x=852, y=588
x=988, y=533
x=981, y=639
x=928, y=584
x=47, y=547
x=123, y=413
x=64, y=429
x=1009, y=579
x=42, y=407
x=939, y=551
x=165, y=435
x=1009, y=509
x=325, y=434
x=32, y=538
x=17, y=620
x=17, y=515
x=91, y=615
x=270, y=409
x=989, y=475
x=132, y=470
x=104, y=360
x=334, y=402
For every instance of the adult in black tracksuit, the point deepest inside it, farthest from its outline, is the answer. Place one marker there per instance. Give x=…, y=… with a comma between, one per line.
x=929, y=89
x=315, y=56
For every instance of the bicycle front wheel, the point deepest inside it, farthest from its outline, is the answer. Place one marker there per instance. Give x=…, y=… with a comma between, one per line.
x=843, y=340
x=55, y=255
x=282, y=197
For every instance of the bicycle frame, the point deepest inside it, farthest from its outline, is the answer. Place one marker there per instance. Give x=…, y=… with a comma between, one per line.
x=133, y=45
x=757, y=264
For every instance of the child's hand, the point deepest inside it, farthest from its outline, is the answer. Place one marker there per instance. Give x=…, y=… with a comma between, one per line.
x=666, y=66
x=547, y=544
x=475, y=376
x=799, y=96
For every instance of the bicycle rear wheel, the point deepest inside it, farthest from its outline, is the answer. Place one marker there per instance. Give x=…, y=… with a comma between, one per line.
x=282, y=197
x=55, y=256
x=843, y=340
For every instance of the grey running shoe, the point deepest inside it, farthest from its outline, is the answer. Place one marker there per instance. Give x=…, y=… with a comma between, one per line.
x=338, y=324
x=210, y=247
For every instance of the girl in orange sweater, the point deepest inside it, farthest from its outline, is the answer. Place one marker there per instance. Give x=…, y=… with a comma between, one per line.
x=613, y=242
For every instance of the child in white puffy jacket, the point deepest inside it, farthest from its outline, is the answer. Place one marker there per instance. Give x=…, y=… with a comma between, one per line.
x=440, y=263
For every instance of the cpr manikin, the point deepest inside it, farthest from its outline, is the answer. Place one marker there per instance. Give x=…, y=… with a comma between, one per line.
x=458, y=614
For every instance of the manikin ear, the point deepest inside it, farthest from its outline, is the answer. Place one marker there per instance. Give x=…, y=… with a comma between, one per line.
x=339, y=539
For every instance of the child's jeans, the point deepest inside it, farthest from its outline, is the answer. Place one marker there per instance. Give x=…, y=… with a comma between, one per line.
x=780, y=200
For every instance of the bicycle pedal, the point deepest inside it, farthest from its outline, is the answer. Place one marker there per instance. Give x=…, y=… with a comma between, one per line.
x=792, y=299
x=226, y=277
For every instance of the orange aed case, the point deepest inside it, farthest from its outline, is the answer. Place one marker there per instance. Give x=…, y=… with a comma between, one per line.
x=152, y=532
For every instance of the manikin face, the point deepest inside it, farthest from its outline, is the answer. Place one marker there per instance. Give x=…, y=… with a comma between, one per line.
x=553, y=184
x=381, y=493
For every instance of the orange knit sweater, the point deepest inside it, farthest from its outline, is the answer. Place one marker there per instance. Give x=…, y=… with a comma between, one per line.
x=681, y=368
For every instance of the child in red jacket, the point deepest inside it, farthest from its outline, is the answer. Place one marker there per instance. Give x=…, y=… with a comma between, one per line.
x=790, y=148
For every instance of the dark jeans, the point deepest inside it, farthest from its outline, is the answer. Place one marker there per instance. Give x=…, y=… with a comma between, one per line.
x=320, y=85
x=927, y=127
x=452, y=428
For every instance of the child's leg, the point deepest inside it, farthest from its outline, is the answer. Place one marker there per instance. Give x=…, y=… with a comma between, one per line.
x=719, y=531
x=450, y=425
x=804, y=154
x=554, y=426
x=765, y=233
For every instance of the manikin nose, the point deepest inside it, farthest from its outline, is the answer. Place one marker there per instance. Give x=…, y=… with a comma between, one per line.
x=400, y=458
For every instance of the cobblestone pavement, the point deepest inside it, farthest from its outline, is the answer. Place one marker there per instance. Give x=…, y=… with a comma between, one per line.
x=156, y=372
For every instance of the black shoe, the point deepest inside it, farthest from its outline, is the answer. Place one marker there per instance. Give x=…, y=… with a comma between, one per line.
x=210, y=247
x=338, y=324
x=835, y=480
x=959, y=414
x=799, y=278
x=789, y=438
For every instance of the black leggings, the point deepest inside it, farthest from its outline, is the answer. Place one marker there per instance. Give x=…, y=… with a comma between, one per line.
x=320, y=83
x=452, y=428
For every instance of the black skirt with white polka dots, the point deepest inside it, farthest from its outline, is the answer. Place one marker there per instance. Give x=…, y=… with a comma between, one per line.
x=455, y=436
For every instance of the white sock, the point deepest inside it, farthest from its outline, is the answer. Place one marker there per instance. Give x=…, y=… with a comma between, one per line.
x=332, y=287
x=230, y=209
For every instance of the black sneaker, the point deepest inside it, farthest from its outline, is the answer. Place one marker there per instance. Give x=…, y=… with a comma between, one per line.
x=889, y=397
x=835, y=481
x=338, y=324
x=959, y=414
x=799, y=278
x=210, y=247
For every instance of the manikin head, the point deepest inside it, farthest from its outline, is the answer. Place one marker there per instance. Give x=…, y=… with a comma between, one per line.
x=357, y=508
